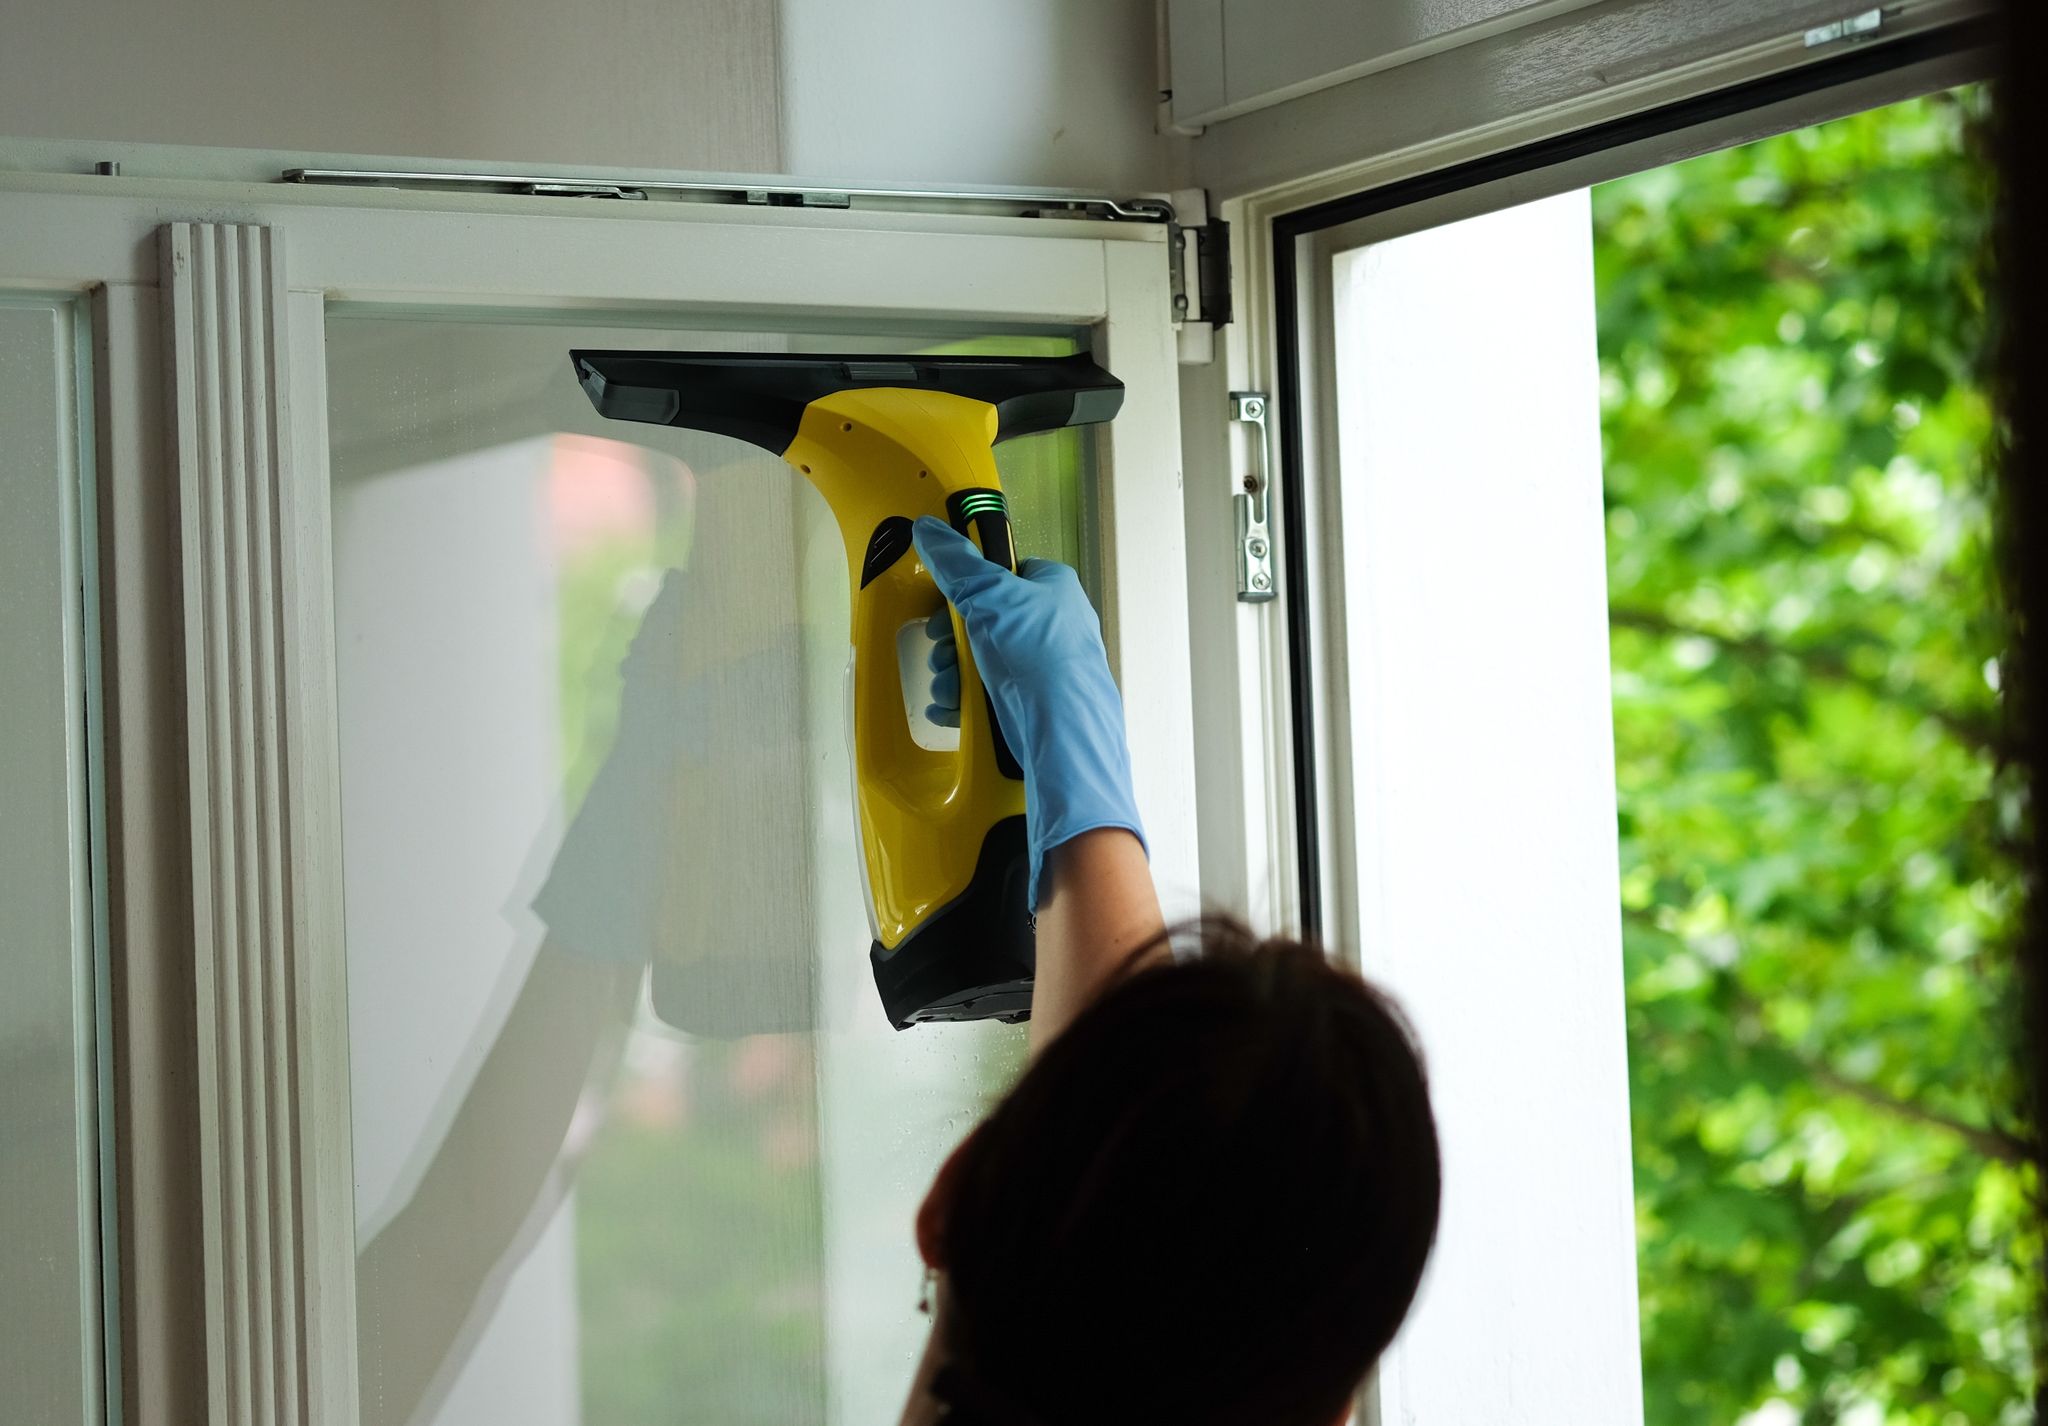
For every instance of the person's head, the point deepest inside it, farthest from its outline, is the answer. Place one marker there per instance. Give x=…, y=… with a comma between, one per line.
x=1208, y=1201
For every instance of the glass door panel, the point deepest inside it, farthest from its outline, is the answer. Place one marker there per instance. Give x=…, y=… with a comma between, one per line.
x=50, y=1258
x=633, y=1140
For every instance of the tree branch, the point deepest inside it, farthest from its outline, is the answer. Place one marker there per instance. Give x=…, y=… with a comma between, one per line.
x=1992, y=1143
x=1827, y=664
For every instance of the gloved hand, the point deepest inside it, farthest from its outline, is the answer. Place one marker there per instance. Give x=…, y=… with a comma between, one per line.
x=1038, y=646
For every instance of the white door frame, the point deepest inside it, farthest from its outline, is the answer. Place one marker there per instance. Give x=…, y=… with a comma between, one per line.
x=231, y=1013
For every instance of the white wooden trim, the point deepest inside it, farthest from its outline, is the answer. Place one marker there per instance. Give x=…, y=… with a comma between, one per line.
x=1210, y=470
x=370, y=245
x=306, y=595
x=1242, y=671
x=1560, y=74
x=161, y=1339
x=1145, y=568
x=269, y=1178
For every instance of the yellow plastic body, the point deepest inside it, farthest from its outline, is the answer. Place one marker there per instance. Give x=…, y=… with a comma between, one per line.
x=873, y=453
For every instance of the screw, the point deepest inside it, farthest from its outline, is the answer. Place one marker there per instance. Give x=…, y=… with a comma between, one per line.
x=1254, y=409
x=1251, y=485
x=1256, y=548
x=1261, y=582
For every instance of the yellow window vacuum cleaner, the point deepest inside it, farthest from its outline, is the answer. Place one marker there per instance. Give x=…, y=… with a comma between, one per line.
x=885, y=440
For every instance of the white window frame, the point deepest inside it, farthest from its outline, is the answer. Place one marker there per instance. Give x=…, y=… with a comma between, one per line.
x=52, y=912
x=1465, y=105
x=1493, y=86
x=1404, y=129
x=225, y=843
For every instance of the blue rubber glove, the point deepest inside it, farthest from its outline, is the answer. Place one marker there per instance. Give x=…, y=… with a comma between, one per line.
x=1038, y=646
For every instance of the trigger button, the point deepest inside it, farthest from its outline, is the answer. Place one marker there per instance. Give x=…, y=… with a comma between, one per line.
x=885, y=546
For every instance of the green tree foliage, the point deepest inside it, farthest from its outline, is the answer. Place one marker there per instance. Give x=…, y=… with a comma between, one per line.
x=1818, y=892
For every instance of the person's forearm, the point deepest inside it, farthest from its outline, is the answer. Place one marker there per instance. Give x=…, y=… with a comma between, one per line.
x=1100, y=907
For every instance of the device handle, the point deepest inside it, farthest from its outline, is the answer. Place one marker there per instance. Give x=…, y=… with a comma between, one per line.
x=981, y=513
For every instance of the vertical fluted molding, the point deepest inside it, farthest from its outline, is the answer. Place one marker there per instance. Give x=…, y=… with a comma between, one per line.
x=268, y=1231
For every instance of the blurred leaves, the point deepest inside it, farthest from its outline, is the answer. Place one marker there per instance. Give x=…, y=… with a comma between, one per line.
x=1817, y=893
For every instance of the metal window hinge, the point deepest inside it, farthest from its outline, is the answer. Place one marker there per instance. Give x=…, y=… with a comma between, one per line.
x=1855, y=27
x=1255, y=579
x=1198, y=271
x=1052, y=203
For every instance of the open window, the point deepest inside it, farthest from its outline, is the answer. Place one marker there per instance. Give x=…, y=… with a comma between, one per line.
x=1433, y=318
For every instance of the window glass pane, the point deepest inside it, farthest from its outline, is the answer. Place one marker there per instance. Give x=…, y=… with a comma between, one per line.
x=49, y=1161
x=593, y=722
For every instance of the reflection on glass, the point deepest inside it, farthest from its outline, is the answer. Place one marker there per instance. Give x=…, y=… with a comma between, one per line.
x=633, y=1139
x=51, y=1100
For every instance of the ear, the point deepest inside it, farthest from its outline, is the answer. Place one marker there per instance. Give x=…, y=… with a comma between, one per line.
x=938, y=1202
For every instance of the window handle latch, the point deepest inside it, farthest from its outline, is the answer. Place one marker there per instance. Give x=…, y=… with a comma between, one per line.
x=1255, y=581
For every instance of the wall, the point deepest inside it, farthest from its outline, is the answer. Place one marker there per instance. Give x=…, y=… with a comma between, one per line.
x=687, y=85
x=1003, y=91
x=998, y=91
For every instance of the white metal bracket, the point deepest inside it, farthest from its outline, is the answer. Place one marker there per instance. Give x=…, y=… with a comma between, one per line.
x=1255, y=581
